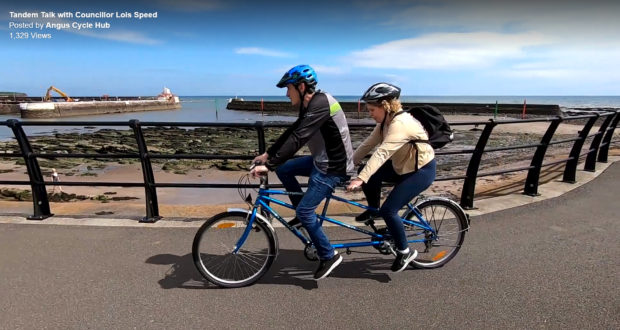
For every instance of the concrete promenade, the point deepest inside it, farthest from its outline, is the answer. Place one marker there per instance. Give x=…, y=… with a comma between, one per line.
x=533, y=263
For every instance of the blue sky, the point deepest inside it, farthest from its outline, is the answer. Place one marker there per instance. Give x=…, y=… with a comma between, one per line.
x=238, y=47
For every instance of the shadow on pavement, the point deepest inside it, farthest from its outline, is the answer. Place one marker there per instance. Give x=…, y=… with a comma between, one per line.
x=289, y=268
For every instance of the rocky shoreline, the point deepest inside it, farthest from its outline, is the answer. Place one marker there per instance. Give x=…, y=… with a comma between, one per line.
x=220, y=141
x=26, y=195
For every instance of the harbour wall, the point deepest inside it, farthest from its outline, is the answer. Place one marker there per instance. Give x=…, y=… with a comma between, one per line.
x=69, y=109
x=457, y=108
x=9, y=108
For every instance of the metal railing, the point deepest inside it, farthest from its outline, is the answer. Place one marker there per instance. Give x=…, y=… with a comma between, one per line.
x=601, y=141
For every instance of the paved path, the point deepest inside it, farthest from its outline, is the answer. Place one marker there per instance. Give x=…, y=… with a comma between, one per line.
x=551, y=264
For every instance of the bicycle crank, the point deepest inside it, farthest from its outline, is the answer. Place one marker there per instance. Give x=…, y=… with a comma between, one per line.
x=310, y=253
x=386, y=246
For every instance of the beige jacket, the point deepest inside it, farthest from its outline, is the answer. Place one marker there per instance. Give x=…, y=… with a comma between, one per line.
x=394, y=145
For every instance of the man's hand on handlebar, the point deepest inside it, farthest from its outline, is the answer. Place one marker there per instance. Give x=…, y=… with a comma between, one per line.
x=257, y=170
x=260, y=159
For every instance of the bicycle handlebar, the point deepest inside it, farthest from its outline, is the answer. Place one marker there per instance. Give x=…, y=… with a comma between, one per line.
x=263, y=178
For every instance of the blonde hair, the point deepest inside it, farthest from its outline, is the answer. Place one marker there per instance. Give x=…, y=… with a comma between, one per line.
x=391, y=106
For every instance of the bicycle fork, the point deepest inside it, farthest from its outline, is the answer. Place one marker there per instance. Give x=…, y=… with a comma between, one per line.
x=246, y=232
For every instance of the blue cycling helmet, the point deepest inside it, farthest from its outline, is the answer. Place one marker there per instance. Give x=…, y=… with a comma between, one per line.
x=301, y=73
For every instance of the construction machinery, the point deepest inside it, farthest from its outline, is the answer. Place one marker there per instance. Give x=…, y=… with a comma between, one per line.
x=48, y=97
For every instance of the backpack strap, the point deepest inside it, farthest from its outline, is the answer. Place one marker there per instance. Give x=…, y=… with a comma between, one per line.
x=412, y=141
x=399, y=112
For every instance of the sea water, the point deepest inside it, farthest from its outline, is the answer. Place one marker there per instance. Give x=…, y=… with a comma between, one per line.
x=213, y=109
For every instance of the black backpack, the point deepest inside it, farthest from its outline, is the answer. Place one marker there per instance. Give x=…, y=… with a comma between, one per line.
x=438, y=129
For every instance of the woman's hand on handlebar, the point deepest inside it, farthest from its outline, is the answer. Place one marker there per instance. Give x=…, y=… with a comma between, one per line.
x=355, y=184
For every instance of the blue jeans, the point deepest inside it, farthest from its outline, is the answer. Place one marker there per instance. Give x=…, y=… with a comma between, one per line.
x=319, y=186
x=287, y=172
x=406, y=188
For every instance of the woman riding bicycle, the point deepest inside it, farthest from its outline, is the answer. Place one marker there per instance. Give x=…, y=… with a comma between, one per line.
x=411, y=166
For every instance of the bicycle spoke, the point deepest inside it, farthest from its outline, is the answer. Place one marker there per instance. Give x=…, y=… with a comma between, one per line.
x=442, y=218
x=246, y=259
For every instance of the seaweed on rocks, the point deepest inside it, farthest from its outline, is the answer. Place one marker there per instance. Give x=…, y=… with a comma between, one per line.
x=222, y=141
x=15, y=194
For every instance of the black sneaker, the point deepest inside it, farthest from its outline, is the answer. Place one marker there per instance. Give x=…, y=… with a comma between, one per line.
x=403, y=260
x=365, y=216
x=326, y=266
x=295, y=223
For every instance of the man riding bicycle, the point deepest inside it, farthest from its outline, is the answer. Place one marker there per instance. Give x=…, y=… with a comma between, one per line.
x=321, y=125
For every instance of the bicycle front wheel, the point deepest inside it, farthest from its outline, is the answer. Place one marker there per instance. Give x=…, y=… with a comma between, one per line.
x=449, y=224
x=214, y=245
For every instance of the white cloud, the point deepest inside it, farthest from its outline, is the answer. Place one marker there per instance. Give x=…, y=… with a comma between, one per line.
x=591, y=65
x=575, y=43
x=122, y=36
x=262, y=52
x=446, y=51
x=541, y=73
x=588, y=22
x=329, y=70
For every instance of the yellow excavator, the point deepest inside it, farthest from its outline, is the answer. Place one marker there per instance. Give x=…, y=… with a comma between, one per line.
x=52, y=88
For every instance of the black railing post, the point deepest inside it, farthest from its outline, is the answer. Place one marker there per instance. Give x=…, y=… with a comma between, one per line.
x=262, y=148
x=150, y=192
x=262, y=144
x=533, y=175
x=602, y=155
x=39, y=193
x=590, y=165
x=570, y=172
x=469, y=186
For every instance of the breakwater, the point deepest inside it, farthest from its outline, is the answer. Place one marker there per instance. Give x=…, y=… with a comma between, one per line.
x=455, y=108
x=37, y=107
x=9, y=108
x=69, y=109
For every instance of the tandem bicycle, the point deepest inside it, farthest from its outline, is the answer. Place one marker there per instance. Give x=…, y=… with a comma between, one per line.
x=236, y=248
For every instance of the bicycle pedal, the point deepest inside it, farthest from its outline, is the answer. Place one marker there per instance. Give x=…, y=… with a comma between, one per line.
x=391, y=248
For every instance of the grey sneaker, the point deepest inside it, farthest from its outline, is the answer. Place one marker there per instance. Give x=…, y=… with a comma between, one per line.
x=366, y=215
x=326, y=266
x=403, y=260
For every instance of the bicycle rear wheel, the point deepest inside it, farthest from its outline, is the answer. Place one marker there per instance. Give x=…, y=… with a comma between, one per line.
x=449, y=223
x=215, y=243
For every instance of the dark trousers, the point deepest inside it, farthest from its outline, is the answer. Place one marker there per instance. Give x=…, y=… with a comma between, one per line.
x=407, y=186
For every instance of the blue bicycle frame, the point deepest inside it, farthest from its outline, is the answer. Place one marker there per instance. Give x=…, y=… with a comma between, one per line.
x=263, y=199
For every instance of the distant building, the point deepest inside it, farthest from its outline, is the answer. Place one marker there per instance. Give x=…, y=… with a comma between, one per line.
x=12, y=94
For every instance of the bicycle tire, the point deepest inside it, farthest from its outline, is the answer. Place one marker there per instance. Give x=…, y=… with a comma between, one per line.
x=216, y=239
x=449, y=222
